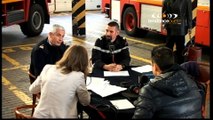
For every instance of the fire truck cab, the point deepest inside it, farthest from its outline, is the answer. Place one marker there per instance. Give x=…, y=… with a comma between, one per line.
x=31, y=15
x=142, y=16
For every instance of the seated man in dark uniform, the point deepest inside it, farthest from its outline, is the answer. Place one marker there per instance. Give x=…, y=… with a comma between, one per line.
x=48, y=51
x=111, y=51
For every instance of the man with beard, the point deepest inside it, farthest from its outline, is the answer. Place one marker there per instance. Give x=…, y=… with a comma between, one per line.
x=111, y=51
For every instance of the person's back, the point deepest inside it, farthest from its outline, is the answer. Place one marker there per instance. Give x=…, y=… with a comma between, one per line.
x=62, y=86
x=171, y=94
x=54, y=101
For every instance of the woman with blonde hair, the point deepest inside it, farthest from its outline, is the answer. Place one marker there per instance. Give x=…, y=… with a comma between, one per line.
x=62, y=85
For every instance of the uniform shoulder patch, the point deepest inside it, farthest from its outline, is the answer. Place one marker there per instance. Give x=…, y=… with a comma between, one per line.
x=101, y=38
x=126, y=43
x=41, y=46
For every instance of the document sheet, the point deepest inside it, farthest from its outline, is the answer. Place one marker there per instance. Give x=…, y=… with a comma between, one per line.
x=143, y=69
x=119, y=73
x=102, y=87
x=122, y=104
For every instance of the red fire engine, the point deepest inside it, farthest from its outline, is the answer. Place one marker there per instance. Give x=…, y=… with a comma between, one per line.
x=29, y=14
x=142, y=16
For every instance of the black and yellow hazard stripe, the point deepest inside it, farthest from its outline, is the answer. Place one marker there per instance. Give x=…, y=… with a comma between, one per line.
x=78, y=17
x=194, y=16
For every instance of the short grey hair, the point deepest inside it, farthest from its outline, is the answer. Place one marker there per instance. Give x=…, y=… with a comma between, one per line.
x=55, y=27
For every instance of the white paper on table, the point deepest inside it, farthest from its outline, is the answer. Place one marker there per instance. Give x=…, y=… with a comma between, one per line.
x=94, y=82
x=119, y=73
x=102, y=87
x=142, y=69
x=122, y=104
x=109, y=89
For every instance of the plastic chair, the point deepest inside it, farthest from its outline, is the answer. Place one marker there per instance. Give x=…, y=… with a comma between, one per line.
x=24, y=111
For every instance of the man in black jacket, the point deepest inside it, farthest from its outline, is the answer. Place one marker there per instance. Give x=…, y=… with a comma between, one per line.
x=111, y=51
x=171, y=94
x=48, y=51
x=178, y=22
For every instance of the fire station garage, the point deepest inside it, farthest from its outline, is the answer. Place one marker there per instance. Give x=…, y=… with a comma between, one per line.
x=126, y=90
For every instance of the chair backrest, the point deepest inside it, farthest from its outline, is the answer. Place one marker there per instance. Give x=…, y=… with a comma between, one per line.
x=204, y=77
x=31, y=76
x=24, y=111
x=34, y=96
x=204, y=69
x=102, y=112
x=201, y=72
